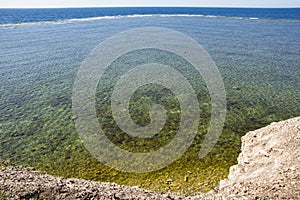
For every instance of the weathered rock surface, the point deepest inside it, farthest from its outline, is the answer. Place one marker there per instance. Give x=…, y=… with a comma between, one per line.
x=24, y=183
x=268, y=168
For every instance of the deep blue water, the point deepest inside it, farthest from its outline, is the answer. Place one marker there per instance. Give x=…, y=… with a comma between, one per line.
x=39, y=15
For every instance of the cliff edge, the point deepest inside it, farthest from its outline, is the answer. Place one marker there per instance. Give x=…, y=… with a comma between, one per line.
x=268, y=166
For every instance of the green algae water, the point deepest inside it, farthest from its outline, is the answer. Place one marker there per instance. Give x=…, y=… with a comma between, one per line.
x=257, y=58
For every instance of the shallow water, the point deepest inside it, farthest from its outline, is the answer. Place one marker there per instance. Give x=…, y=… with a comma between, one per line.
x=258, y=59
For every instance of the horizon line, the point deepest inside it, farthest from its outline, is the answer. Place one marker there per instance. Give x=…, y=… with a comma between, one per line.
x=149, y=6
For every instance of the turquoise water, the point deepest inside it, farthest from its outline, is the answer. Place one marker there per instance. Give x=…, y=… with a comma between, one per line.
x=258, y=59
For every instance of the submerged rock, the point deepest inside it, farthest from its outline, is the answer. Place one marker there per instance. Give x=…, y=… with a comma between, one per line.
x=236, y=88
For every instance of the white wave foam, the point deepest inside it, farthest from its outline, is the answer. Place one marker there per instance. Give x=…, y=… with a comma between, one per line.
x=131, y=16
x=33, y=23
x=66, y=21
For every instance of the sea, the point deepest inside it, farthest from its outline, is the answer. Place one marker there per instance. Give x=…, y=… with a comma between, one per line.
x=257, y=52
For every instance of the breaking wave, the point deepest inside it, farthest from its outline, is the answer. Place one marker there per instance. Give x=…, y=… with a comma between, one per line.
x=74, y=20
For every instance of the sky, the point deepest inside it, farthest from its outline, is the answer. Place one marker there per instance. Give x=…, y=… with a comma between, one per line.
x=119, y=3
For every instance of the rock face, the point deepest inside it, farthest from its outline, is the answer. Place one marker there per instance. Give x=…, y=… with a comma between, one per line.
x=268, y=168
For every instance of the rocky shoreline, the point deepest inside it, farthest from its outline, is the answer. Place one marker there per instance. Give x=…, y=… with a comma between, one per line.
x=25, y=183
x=268, y=168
